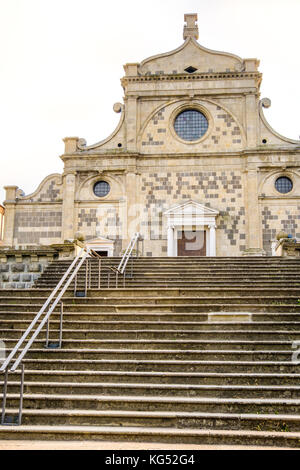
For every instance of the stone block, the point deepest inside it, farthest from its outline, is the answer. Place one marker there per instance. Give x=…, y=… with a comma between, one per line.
x=18, y=267
x=16, y=277
x=4, y=268
x=34, y=268
x=20, y=285
x=5, y=278
x=26, y=277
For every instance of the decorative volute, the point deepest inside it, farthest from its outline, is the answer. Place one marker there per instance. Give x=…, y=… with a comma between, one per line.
x=190, y=28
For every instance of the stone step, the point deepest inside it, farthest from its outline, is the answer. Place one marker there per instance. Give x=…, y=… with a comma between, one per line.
x=97, y=332
x=112, y=328
x=232, y=274
x=159, y=355
x=154, y=403
x=134, y=295
x=151, y=311
x=146, y=365
x=180, y=345
x=191, y=378
x=158, y=317
x=96, y=303
x=152, y=434
x=174, y=420
x=191, y=289
x=187, y=260
x=156, y=390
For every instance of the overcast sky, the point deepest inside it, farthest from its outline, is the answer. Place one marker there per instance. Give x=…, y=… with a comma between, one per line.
x=61, y=62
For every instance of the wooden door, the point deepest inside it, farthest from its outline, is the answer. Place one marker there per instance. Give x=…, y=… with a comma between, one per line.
x=191, y=243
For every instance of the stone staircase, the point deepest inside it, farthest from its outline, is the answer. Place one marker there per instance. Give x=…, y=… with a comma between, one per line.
x=192, y=350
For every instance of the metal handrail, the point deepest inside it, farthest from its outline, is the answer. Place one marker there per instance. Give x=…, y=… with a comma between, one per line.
x=121, y=269
x=6, y=366
x=123, y=263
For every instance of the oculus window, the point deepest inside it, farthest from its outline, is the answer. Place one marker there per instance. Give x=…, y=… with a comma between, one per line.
x=101, y=188
x=190, y=125
x=284, y=185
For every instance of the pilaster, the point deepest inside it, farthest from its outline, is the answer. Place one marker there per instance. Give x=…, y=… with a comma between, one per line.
x=68, y=229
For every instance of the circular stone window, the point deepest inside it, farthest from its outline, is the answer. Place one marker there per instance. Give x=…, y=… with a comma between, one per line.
x=284, y=185
x=101, y=188
x=190, y=125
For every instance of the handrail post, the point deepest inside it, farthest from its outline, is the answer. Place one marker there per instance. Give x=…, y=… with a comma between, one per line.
x=90, y=272
x=75, y=285
x=21, y=394
x=99, y=273
x=61, y=324
x=4, y=396
x=86, y=277
x=3, y=414
x=47, y=333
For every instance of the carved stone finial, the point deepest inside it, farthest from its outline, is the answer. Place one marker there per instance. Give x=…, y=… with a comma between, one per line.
x=190, y=28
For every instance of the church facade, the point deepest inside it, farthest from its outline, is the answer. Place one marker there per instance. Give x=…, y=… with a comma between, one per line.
x=193, y=166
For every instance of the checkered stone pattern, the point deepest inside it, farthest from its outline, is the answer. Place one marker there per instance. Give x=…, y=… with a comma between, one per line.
x=226, y=127
x=278, y=218
x=33, y=227
x=101, y=222
x=112, y=227
x=50, y=192
x=221, y=190
x=87, y=222
x=158, y=130
x=224, y=135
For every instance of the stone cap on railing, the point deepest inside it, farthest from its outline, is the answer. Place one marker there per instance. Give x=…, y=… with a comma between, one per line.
x=55, y=251
x=288, y=247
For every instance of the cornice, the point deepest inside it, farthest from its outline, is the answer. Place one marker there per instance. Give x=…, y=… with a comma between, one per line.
x=88, y=156
x=192, y=77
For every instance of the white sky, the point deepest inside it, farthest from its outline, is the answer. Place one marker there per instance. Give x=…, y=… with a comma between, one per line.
x=61, y=62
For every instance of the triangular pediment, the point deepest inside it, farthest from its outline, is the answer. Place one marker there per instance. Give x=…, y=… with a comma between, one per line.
x=192, y=208
x=99, y=240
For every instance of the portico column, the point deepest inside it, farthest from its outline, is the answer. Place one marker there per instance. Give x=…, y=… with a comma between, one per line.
x=170, y=240
x=212, y=240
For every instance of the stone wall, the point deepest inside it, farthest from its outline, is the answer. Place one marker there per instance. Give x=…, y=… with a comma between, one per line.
x=20, y=268
x=15, y=275
x=221, y=190
x=280, y=217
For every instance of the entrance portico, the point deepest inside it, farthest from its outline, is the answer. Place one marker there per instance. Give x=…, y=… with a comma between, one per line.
x=195, y=226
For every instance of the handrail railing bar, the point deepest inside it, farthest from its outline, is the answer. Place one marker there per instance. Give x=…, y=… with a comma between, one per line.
x=127, y=254
x=60, y=328
x=47, y=334
x=124, y=256
x=37, y=331
x=41, y=311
